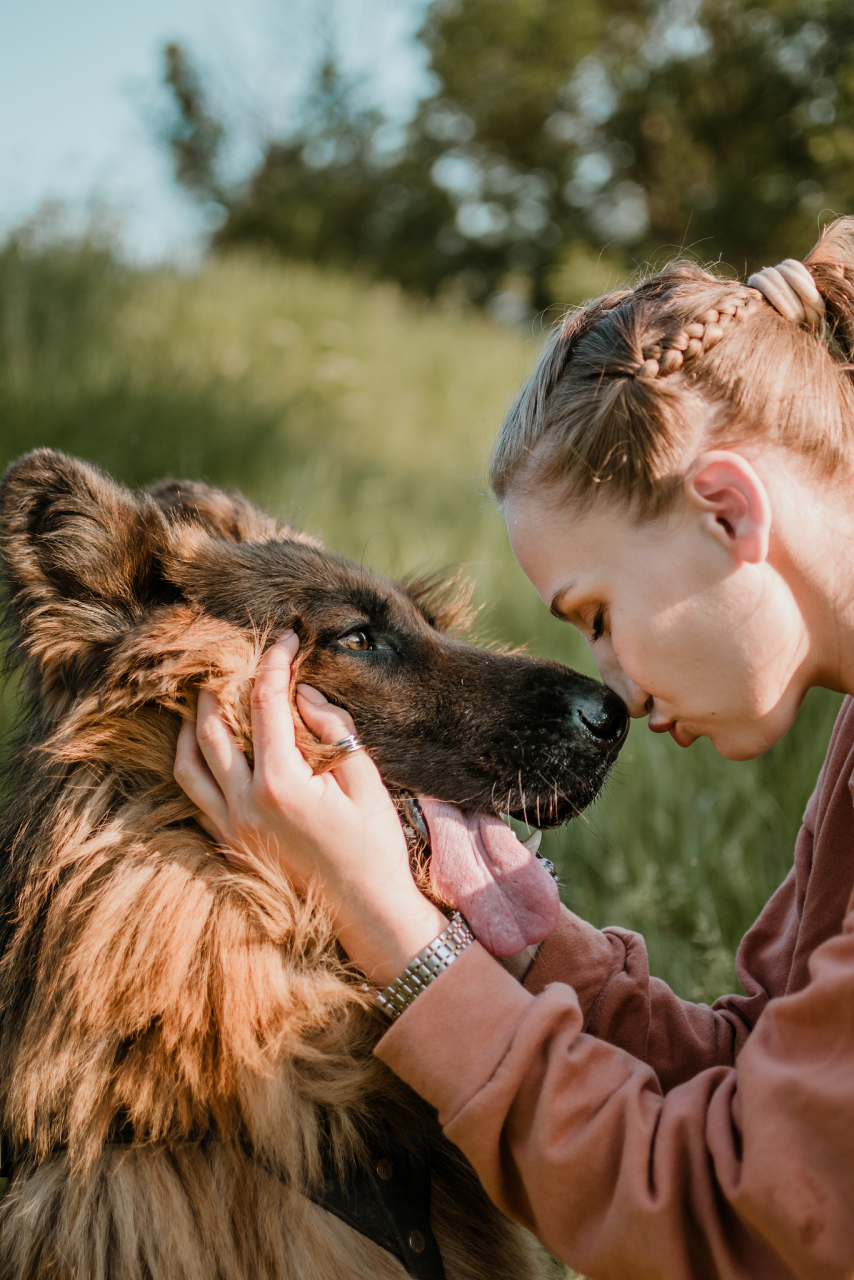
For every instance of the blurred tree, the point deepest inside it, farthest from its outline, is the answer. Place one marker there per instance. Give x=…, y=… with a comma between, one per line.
x=731, y=131
x=563, y=143
x=340, y=191
x=463, y=199
x=194, y=135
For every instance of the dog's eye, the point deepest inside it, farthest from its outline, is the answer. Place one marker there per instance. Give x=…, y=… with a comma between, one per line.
x=355, y=640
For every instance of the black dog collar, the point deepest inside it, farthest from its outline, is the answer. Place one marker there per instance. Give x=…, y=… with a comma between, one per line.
x=388, y=1200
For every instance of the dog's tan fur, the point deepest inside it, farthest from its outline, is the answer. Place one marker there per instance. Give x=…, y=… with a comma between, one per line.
x=210, y=1007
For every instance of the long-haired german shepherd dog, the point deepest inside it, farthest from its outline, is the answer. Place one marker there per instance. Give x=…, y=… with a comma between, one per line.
x=187, y=1087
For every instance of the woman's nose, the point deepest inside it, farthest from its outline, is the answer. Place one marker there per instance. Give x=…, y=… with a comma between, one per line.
x=637, y=700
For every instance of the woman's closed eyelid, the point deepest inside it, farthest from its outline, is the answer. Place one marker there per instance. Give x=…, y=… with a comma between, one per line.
x=598, y=624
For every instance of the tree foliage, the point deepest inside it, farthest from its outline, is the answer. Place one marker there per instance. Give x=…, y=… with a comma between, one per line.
x=194, y=135
x=739, y=146
x=559, y=136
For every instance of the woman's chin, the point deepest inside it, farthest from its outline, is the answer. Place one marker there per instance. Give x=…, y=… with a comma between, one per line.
x=745, y=744
x=738, y=751
x=734, y=739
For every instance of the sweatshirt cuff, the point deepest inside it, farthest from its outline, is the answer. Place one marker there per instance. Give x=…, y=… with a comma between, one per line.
x=450, y=1041
x=579, y=956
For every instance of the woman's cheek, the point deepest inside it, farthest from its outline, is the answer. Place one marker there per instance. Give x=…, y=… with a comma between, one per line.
x=668, y=660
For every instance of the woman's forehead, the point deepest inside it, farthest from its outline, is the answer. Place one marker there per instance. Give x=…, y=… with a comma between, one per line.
x=567, y=529
x=558, y=547
x=563, y=549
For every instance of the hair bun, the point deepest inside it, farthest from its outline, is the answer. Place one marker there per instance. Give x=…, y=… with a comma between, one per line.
x=791, y=290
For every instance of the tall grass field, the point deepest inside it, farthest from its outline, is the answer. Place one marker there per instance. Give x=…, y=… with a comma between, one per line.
x=367, y=417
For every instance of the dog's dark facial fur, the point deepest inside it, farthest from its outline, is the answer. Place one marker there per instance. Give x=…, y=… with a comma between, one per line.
x=487, y=731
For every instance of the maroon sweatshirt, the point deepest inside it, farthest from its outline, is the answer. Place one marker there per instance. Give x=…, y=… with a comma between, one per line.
x=639, y=1135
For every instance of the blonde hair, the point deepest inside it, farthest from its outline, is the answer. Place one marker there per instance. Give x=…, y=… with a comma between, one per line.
x=619, y=392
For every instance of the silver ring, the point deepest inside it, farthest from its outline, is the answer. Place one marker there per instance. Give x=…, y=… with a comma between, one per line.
x=349, y=745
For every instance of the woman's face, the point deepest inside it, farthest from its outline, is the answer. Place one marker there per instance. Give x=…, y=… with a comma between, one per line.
x=679, y=626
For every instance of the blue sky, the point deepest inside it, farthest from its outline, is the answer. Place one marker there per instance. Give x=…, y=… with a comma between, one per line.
x=79, y=88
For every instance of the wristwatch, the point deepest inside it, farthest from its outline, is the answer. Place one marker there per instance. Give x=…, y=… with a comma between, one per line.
x=436, y=957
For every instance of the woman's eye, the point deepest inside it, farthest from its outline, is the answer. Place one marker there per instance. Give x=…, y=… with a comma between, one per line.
x=355, y=640
x=598, y=624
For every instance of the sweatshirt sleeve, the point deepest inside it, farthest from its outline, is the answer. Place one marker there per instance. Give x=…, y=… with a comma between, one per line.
x=609, y=969
x=621, y=1003
x=745, y=1172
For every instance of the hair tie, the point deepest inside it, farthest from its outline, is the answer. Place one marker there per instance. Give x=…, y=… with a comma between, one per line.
x=791, y=290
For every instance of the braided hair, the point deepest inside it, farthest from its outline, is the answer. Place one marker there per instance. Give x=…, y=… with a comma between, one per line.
x=631, y=381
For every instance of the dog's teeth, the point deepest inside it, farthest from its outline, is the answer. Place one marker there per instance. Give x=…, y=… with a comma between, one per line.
x=533, y=841
x=415, y=817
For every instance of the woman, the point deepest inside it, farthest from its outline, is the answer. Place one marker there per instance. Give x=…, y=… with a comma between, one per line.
x=676, y=480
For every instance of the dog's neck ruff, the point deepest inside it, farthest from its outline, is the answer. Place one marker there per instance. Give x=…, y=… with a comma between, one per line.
x=387, y=1199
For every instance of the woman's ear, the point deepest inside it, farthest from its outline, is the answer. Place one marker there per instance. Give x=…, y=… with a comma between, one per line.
x=728, y=491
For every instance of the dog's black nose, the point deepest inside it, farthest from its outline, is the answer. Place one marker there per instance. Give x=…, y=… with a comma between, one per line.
x=604, y=715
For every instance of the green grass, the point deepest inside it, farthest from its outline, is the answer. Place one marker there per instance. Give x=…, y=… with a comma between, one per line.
x=368, y=417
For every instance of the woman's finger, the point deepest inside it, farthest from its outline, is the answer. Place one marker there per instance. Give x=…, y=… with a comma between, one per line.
x=356, y=774
x=211, y=829
x=272, y=719
x=220, y=749
x=328, y=722
x=196, y=781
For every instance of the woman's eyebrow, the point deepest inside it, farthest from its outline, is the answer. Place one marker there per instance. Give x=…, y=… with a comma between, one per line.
x=554, y=607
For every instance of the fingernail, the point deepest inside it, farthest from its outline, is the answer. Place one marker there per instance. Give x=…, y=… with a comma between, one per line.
x=289, y=640
x=314, y=696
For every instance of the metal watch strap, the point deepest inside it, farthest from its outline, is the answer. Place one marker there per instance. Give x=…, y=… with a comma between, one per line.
x=426, y=967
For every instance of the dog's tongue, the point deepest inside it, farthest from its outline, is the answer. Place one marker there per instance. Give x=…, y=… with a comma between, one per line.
x=479, y=867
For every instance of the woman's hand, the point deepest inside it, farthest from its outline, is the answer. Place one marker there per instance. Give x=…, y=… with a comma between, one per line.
x=337, y=831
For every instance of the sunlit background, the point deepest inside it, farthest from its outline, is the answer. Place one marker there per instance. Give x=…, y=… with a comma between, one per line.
x=80, y=98
x=310, y=249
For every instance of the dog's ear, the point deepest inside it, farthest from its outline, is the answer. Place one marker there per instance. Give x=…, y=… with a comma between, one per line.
x=444, y=599
x=223, y=513
x=81, y=562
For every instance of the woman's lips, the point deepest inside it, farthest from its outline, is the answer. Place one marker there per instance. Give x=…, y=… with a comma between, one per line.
x=664, y=727
x=672, y=729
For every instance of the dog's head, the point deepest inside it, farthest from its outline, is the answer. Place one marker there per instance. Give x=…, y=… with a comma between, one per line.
x=114, y=597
